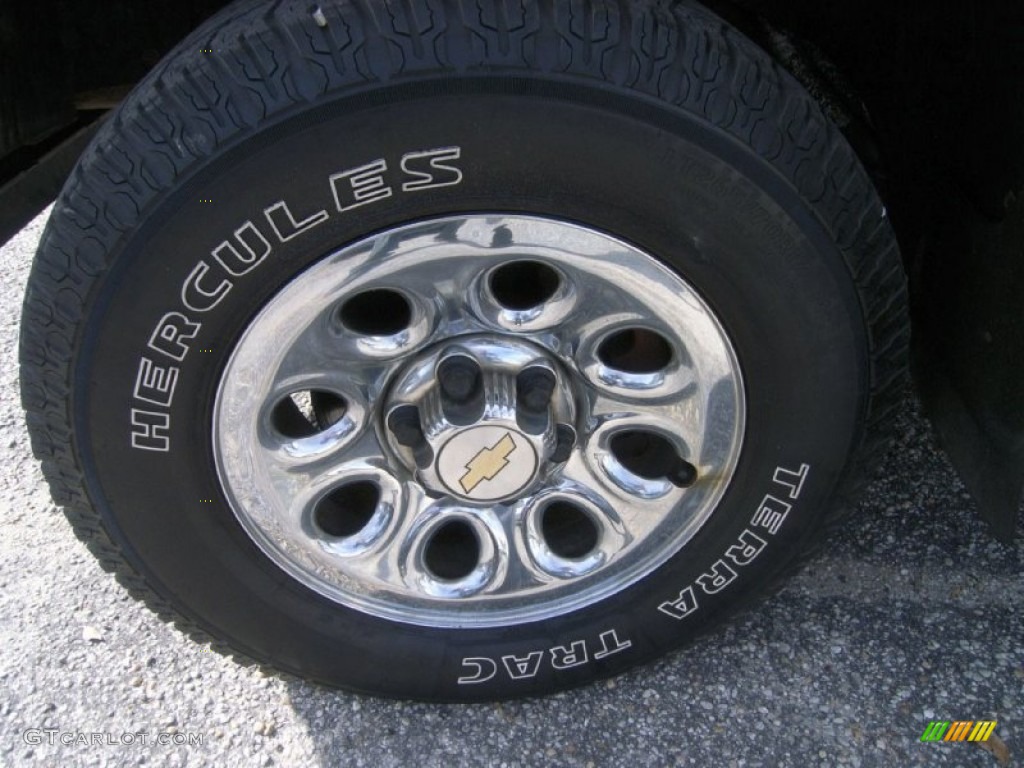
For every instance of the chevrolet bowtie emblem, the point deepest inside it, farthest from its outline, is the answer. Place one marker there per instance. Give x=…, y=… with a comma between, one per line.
x=488, y=463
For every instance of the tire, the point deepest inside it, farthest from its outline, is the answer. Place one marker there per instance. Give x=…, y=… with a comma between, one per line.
x=461, y=351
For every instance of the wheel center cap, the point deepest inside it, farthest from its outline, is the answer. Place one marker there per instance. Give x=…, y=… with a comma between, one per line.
x=481, y=418
x=487, y=463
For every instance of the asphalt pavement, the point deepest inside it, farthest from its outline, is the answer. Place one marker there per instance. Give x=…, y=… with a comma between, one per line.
x=911, y=613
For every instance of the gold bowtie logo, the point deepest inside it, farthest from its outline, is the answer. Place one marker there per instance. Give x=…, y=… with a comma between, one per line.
x=488, y=463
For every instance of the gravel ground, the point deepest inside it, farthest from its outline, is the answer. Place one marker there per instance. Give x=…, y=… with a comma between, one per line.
x=911, y=613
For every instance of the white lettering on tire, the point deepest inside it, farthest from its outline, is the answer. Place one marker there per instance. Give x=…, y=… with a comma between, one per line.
x=360, y=186
x=286, y=226
x=256, y=248
x=212, y=278
x=482, y=668
x=149, y=430
x=429, y=169
x=768, y=517
x=526, y=666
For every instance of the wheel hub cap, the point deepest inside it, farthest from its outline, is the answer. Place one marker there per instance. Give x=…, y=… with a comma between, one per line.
x=481, y=419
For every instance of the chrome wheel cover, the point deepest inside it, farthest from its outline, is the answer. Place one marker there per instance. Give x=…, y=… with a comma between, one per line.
x=478, y=421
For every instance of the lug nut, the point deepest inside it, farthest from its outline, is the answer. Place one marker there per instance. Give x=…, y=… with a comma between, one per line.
x=565, y=439
x=459, y=377
x=404, y=423
x=534, y=388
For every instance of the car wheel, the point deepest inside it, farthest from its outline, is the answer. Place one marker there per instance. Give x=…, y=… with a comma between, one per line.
x=461, y=352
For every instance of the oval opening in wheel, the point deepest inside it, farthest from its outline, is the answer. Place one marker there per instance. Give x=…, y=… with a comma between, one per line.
x=635, y=350
x=306, y=413
x=346, y=510
x=377, y=312
x=452, y=551
x=568, y=530
x=523, y=285
x=651, y=456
